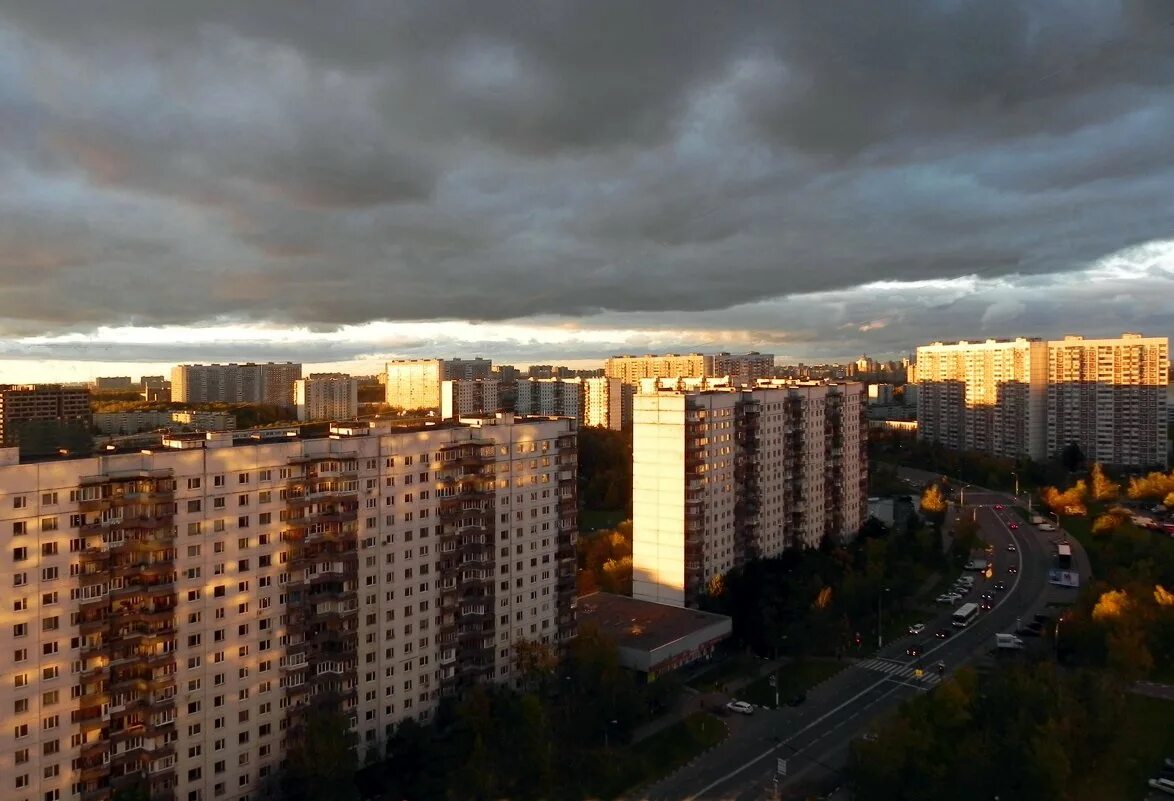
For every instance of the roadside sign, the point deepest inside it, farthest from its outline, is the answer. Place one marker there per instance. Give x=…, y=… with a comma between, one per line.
x=781, y=767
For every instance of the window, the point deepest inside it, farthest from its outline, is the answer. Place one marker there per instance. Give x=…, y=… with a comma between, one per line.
x=48, y=524
x=193, y=483
x=48, y=498
x=20, y=554
x=20, y=502
x=19, y=527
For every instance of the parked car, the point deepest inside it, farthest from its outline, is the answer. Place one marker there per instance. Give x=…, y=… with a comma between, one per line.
x=741, y=707
x=796, y=700
x=917, y=628
x=948, y=598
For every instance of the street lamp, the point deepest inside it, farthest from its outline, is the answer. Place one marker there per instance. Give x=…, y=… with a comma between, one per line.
x=606, y=730
x=962, y=494
x=879, y=597
x=1057, y=517
x=1016, y=485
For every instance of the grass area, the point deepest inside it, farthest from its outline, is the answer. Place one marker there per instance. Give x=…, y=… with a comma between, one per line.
x=1144, y=739
x=793, y=678
x=596, y=519
x=732, y=667
x=665, y=751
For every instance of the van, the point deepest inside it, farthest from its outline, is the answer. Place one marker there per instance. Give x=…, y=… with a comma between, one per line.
x=1008, y=642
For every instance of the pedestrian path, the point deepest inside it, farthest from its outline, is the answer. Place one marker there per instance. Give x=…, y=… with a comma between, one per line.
x=901, y=671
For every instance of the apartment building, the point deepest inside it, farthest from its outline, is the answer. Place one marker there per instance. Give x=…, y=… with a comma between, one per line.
x=468, y=369
x=327, y=396
x=984, y=396
x=469, y=397
x=725, y=474
x=271, y=383
x=607, y=403
x=120, y=423
x=176, y=611
x=42, y=419
x=414, y=383
x=562, y=397
x=741, y=368
x=1109, y=397
x=118, y=383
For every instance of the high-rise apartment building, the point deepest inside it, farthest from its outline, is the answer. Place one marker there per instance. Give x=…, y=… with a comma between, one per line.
x=468, y=397
x=327, y=396
x=120, y=383
x=1109, y=397
x=467, y=369
x=1028, y=397
x=984, y=396
x=741, y=368
x=605, y=401
x=562, y=397
x=42, y=419
x=414, y=383
x=176, y=612
x=272, y=382
x=722, y=475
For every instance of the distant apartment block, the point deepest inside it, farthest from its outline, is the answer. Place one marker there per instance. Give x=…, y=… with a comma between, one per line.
x=984, y=396
x=43, y=419
x=126, y=423
x=121, y=383
x=327, y=396
x=723, y=474
x=607, y=402
x=468, y=369
x=414, y=383
x=469, y=397
x=155, y=389
x=1109, y=397
x=1028, y=397
x=270, y=383
x=880, y=394
x=741, y=368
x=175, y=614
x=562, y=397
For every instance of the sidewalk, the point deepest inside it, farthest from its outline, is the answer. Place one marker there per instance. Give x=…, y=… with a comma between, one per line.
x=692, y=701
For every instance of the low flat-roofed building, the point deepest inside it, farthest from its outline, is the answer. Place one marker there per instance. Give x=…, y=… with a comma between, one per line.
x=653, y=638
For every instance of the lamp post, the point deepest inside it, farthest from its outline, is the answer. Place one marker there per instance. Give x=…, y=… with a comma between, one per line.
x=606, y=730
x=880, y=596
x=1057, y=517
x=1016, y=486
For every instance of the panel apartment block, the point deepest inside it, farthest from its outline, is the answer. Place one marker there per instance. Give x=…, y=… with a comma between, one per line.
x=742, y=369
x=1109, y=397
x=722, y=475
x=174, y=613
x=414, y=383
x=272, y=382
x=984, y=396
x=466, y=397
x=42, y=418
x=327, y=396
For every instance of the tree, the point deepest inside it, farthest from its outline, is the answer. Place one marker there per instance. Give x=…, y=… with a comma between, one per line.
x=1103, y=488
x=933, y=505
x=1129, y=656
x=322, y=767
x=1072, y=457
x=535, y=662
x=1106, y=524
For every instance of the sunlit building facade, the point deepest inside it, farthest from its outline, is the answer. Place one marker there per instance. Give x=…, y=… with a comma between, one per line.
x=1109, y=397
x=175, y=613
x=722, y=475
x=327, y=396
x=984, y=396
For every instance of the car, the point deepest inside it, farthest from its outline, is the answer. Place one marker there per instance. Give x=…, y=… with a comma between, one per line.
x=1041, y=618
x=949, y=598
x=986, y=606
x=942, y=634
x=741, y=707
x=797, y=700
x=1027, y=632
x=1011, y=547
x=987, y=596
x=869, y=737
x=1014, y=526
x=999, y=586
x=914, y=650
x=1012, y=570
x=998, y=507
x=916, y=628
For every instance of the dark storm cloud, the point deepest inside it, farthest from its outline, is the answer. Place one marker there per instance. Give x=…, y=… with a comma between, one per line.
x=326, y=165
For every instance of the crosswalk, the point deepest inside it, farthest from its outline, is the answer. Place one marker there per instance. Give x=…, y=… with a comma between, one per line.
x=901, y=671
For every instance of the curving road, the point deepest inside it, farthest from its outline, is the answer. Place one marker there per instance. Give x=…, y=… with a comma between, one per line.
x=814, y=739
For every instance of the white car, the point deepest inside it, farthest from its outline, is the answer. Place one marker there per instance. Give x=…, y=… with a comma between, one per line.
x=949, y=598
x=741, y=707
x=917, y=628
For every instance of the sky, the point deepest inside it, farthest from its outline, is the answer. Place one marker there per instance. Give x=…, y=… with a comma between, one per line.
x=345, y=183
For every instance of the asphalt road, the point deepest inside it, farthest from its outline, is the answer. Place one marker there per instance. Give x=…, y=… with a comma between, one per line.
x=814, y=738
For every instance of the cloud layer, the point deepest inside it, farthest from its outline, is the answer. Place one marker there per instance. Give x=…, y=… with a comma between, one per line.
x=828, y=177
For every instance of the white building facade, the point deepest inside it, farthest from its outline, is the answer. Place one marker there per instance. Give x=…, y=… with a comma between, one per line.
x=984, y=396
x=722, y=475
x=176, y=612
x=327, y=396
x=469, y=397
x=1109, y=397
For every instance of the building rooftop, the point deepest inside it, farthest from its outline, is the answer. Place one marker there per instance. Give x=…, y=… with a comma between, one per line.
x=643, y=625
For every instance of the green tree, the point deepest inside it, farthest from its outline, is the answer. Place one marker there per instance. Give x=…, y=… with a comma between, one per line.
x=322, y=767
